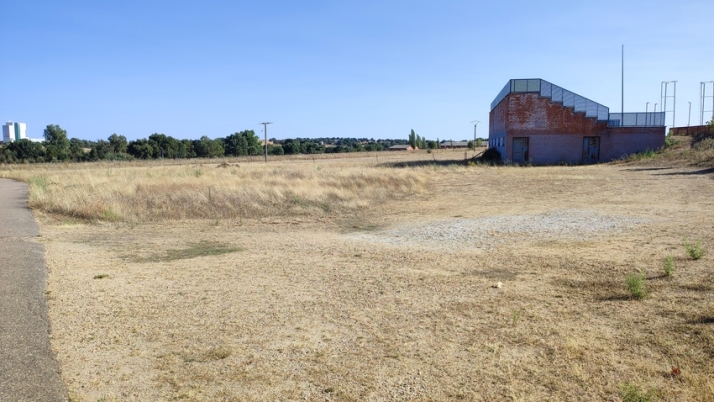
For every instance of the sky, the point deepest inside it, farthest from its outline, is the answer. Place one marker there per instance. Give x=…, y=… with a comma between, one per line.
x=364, y=69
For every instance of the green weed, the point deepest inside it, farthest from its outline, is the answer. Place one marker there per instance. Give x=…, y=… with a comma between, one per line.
x=694, y=251
x=669, y=266
x=632, y=393
x=636, y=284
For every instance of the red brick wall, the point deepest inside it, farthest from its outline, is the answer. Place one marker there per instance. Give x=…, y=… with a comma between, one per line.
x=556, y=133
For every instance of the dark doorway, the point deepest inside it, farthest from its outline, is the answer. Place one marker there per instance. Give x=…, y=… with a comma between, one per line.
x=591, y=150
x=520, y=150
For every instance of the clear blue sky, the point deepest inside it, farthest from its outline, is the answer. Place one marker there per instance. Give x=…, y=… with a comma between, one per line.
x=334, y=68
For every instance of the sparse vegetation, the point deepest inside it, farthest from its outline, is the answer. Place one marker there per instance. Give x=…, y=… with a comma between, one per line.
x=694, y=251
x=101, y=276
x=669, y=266
x=636, y=284
x=632, y=393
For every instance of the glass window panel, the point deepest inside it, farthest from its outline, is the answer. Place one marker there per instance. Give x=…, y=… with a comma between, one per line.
x=546, y=89
x=520, y=86
x=533, y=85
x=568, y=99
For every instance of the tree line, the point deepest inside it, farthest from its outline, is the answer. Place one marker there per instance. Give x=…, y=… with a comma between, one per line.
x=57, y=147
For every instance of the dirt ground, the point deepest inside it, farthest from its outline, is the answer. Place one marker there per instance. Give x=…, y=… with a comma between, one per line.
x=401, y=301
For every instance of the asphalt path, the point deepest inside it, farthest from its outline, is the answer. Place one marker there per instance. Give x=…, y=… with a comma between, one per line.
x=28, y=369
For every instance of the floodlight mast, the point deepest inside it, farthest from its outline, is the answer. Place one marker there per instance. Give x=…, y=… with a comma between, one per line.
x=703, y=98
x=475, y=123
x=265, y=132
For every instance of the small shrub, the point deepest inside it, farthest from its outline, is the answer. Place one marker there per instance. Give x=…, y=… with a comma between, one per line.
x=669, y=266
x=636, y=284
x=694, y=251
x=632, y=393
x=101, y=276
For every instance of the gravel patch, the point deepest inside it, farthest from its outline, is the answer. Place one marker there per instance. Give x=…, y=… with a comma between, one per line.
x=486, y=233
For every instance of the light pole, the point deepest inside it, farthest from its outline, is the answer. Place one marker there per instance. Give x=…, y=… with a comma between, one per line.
x=265, y=131
x=689, y=119
x=475, y=123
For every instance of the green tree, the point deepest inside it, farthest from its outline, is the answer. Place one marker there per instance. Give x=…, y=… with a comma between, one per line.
x=76, y=150
x=118, y=143
x=56, y=143
x=100, y=151
x=208, y=148
x=276, y=149
x=291, y=147
x=242, y=143
x=412, y=139
x=141, y=149
x=25, y=150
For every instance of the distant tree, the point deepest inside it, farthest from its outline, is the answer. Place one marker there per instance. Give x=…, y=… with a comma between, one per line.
x=276, y=149
x=470, y=145
x=25, y=150
x=433, y=145
x=291, y=147
x=100, y=151
x=118, y=143
x=164, y=146
x=56, y=143
x=208, y=148
x=412, y=139
x=242, y=143
x=141, y=149
x=76, y=150
x=185, y=149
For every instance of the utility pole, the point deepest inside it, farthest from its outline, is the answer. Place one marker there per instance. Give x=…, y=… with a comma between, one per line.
x=475, y=123
x=647, y=115
x=689, y=119
x=265, y=131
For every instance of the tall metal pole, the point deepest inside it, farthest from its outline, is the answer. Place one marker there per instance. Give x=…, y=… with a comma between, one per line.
x=622, y=103
x=703, y=100
x=689, y=119
x=647, y=115
x=265, y=131
x=475, y=123
x=674, y=106
x=702, y=91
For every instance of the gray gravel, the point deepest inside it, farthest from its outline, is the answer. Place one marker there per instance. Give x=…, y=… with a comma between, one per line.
x=488, y=232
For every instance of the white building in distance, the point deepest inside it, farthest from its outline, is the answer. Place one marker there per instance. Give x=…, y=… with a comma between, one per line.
x=13, y=131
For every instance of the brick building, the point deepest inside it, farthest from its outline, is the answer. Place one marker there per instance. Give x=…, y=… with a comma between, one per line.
x=534, y=121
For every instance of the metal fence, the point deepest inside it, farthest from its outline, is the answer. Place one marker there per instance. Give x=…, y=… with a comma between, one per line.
x=555, y=94
x=650, y=119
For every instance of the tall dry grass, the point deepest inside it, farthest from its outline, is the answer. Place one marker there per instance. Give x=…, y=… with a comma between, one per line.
x=154, y=192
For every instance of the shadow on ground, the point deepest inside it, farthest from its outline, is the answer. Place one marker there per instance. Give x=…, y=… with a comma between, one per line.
x=425, y=162
x=694, y=172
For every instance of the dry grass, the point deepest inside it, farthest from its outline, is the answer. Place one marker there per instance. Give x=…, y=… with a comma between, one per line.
x=321, y=309
x=115, y=192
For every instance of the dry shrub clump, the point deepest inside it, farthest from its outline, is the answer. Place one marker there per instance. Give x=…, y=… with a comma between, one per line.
x=157, y=193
